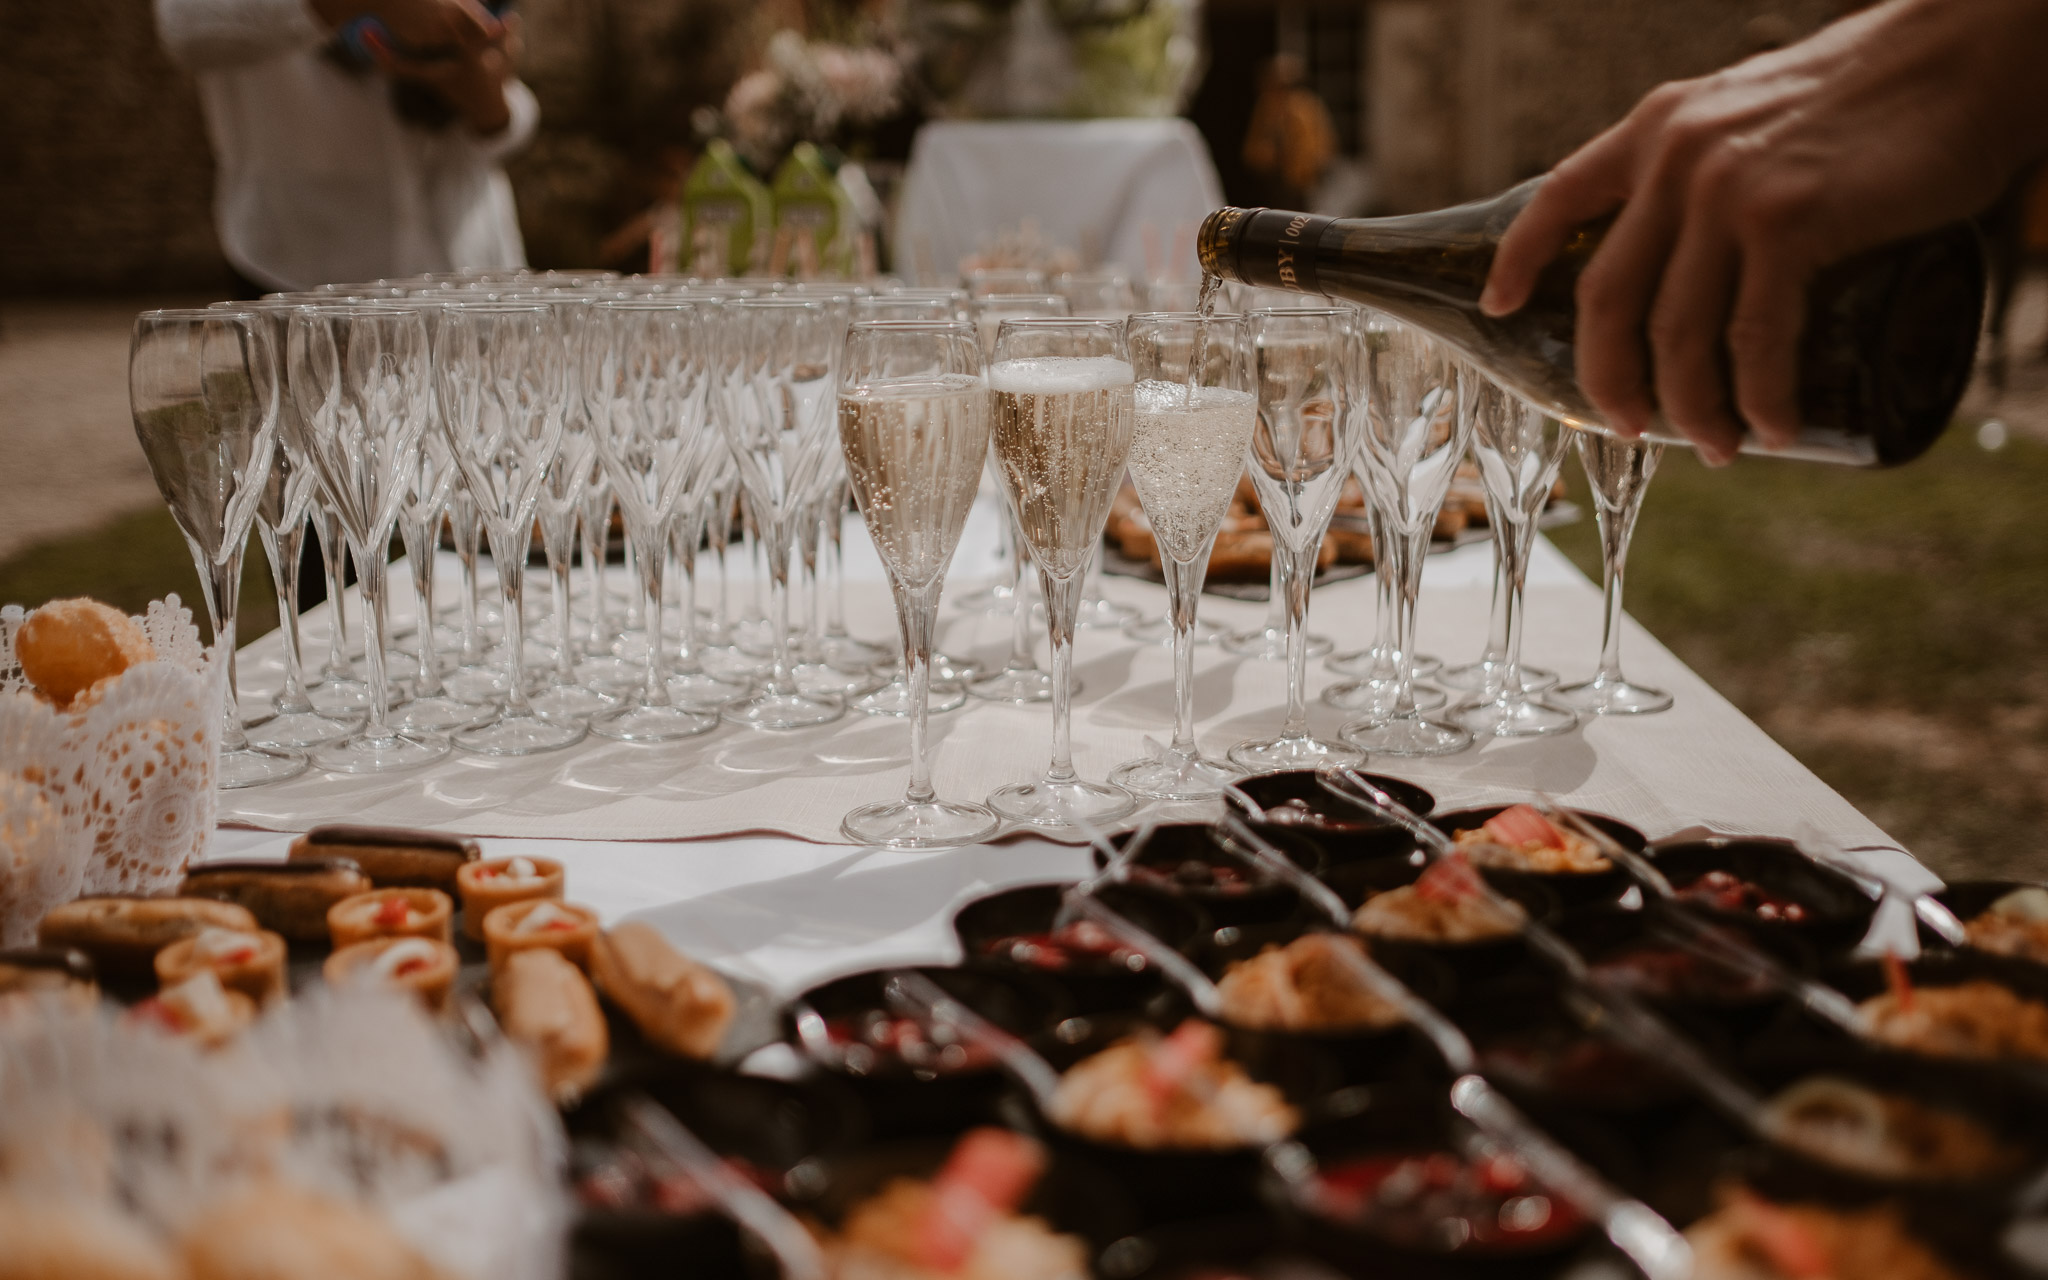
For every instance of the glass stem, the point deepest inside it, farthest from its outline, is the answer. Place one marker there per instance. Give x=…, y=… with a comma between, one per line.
x=636, y=608
x=223, y=599
x=508, y=557
x=370, y=577
x=327, y=528
x=1062, y=604
x=1411, y=549
x=1276, y=608
x=1299, y=576
x=419, y=554
x=565, y=630
x=1515, y=541
x=1614, y=563
x=835, y=599
x=688, y=528
x=282, y=547
x=780, y=548
x=720, y=532
x=918, y=612
x=1386, y=560
x=650, y=562
x=750, y=535
x=1021, y=658
x=596, y=525
x=1183, y=594
x=462, y=522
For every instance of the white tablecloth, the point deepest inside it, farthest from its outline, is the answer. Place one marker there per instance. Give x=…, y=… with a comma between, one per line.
x=1092, y=186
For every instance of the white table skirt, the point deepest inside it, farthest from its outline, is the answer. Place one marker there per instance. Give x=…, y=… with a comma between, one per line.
x=789, y=912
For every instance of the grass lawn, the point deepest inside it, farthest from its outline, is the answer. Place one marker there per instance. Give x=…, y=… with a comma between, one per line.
x=1888, y=628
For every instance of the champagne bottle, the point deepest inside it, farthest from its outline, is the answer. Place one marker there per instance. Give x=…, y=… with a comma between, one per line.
x=1886, y=351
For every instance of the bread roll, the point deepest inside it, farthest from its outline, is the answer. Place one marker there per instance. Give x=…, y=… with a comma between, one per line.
x=67, y=646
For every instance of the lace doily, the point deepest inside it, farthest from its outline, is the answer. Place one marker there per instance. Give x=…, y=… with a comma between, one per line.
x=117, y=797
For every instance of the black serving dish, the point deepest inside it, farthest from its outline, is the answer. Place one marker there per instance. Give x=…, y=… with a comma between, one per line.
x=1572, y=889
x=1862, y=979
x=1544, y=1048
x=773, y=1130
x=928, y=1097
x=1472, y=962
x=1188, y=859
x=1675, y=982
x=1838, y=912
x=1092, y=984
x=1399, y=1126
x=1360, y=1056
x=1968, y=899
x=1294, y=801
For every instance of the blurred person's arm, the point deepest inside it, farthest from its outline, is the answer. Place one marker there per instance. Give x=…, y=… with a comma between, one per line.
x=208, y=35
x=1734, y=189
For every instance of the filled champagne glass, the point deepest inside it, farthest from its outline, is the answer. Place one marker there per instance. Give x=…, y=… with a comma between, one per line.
x=1300, y=455
x=1416, y=428
x=1187, y=453
x=1518, y=448
x=1619, y=472
x=1064, y=410
x=784, y=380
x=1020, y=680
x=913, y=428
x=361, y=384
x=501, y=378
x=203, y=391
x=650, y=373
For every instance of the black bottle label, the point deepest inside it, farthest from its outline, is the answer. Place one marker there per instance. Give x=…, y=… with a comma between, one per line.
x=1278, y=250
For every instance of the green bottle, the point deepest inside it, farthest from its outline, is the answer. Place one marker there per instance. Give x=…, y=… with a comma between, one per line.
x=813, y=217
x=725, y=209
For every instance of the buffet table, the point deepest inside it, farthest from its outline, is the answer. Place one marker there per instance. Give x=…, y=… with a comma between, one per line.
x=675, y=834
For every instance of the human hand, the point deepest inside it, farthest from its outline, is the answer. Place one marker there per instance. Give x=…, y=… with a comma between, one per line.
x=471, y=80
x=1736, y=188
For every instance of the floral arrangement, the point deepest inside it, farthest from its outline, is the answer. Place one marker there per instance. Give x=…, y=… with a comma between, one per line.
x=810, y=91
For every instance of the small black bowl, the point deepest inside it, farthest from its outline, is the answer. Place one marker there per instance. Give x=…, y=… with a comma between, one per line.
x=1399, y=1126
x=1187, y=859
x=1472, y=962
x=1543, y=1048
x=1671, y=979
x=1838, y=912
x=1295, y=801
x=1862, y=979
x=1360, y=1056
x=903, y=1100
x=1572, y=889
x=1092, y=984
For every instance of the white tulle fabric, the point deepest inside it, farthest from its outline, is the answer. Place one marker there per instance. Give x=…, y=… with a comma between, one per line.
x=116, y=797
x=354, y=1094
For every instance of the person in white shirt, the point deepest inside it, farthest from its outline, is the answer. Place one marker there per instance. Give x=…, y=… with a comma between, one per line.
x=329, y=171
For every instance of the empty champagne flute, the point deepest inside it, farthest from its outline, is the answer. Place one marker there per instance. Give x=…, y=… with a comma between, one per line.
x=784, y=383
x=1301, y=452
x=650, y=373
x=501, y=377
x=431, y=709
x=1518, y=448
x=203, y=391
x=1619, y=472
x=1064, y=411
x=913, y=428
x=1416, y=427
x=1187, y=452
x=361, y=384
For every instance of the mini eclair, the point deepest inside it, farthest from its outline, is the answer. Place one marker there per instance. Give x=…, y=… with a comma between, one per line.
x=123, y=935
x=288, y=898
x=393, y=857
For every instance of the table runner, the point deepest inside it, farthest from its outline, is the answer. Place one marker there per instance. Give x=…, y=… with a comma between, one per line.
x=1701, y=763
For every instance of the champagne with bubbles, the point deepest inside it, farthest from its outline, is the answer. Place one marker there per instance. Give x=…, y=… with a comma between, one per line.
x=914, y=451
x=1187, y=454
x=1885, y=353
x=1062, y=431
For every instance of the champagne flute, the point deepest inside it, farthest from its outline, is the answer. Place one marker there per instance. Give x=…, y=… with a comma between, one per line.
x=1378, y=669
x=281, y=524
x=1519, y=449
x=784, y=377
x=500, y=370
x=1417, y=425
x=1187, y=452
x=1300, y=454
x=1020, y=680
x=649, y=371
x=1619, y=472
x=1064, y=412
x=203, y=392
x=913, y=426
x=1475, y=675
x=360, y=380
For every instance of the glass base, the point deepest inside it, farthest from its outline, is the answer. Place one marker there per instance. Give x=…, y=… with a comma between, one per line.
x=1016, y=684
x=1275, y=755
x=850, y=654
x=1046, y=803
x=1427, y=665
x=401, y=664
x=732, y=664
x=1160, y=631
x=642, y=723
x=822, y=679
x=477, y=684
x=570, y=702
x=994, y=598
x=1098, y=612
x=933, y=824
x=1270, y=643
x=754, y=637
x=893, y=699
x=442, y=714
x=784, y=711
x=254, y=766
x=1474, y=675
x=611, y=674
x=521, y=734
x=388, y=754
x=1406, y=736
x=339, y=693
x=945, y=669
x=697, y=691
x=1611, y=697
x=288, y=729
x=1175, y=776
x=1522, y=717
x=1377, y=698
